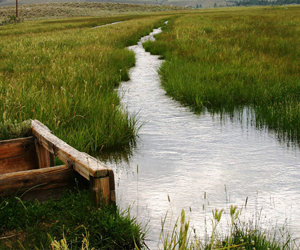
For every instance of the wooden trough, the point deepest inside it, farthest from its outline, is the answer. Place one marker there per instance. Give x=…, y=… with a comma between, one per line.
x=27, y=167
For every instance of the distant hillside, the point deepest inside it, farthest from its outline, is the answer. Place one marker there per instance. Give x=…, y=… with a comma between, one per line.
x=79, y=9
x=181, y=3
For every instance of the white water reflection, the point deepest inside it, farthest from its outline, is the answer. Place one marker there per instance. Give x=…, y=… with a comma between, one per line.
x=183, y=155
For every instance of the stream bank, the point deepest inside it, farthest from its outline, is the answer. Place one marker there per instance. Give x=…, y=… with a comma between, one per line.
x=200, y=162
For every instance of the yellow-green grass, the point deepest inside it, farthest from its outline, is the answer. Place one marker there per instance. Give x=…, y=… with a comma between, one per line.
x=228, y=59
x=40, y=26
x=239, y=235
x=67, y=80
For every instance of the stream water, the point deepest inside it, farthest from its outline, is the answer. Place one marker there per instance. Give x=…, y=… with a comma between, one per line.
x=200, y=162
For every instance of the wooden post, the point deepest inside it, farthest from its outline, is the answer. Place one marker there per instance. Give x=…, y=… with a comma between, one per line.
x=101, y=190
x=104, y=189
x=17, y=10
x=43, y=155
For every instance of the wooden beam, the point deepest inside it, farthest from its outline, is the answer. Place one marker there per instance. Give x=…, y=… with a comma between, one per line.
x=100, y=175
x=37, y=179
x=84, y=164
x=17, y=155
x=16, y=147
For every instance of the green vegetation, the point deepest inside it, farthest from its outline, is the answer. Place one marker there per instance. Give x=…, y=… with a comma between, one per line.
x=64, y=73
x=64, y=224
x=66, y=78
x=75, y=218
x=10, y=20
x=241, y=235
x=229, y=59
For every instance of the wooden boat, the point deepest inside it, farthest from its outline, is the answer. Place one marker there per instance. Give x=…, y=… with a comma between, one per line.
x=27, y=168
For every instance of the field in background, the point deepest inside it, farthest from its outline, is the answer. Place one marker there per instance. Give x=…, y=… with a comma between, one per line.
x=64, y=74
x=92, y=7
x=79, y=9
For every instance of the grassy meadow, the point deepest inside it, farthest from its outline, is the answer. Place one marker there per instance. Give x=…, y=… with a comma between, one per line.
x=64, y=73
x=66, y=77
x=231, y=58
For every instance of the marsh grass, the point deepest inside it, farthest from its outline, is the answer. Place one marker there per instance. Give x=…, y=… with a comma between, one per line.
x=228, y=60
x=73, y=220
x=67, y=80
x=240, y=235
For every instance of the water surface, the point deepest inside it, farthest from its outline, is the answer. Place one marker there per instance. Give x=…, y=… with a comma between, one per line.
x=181, y=157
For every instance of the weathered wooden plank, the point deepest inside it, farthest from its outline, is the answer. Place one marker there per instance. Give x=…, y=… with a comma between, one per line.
x=16, y=147
x=100, y=175
x=43, y=155
x=56, y=192
x=17, y=155
x=18, y=163
x=38, y=179
x=83, y=163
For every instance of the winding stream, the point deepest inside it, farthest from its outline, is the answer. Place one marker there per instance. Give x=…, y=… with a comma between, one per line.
x=184, y=161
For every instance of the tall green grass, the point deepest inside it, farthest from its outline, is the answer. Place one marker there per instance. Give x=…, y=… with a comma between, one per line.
x=74, y=218
x=239, y=236
x=67, y=80
x=231, y=59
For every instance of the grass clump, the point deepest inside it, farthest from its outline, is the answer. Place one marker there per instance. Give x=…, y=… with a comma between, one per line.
x=236, y=58
x=73, y=220
x=240, y=235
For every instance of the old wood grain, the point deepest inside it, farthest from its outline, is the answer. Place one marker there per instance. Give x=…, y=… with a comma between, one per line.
x=38, y=179
x=17, y=155
x=83, y=163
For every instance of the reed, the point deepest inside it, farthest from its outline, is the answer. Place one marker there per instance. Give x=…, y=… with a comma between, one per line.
x=240, y=235
x=228, y=59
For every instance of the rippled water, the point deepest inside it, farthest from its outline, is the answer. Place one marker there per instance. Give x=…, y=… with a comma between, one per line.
x=180, y=156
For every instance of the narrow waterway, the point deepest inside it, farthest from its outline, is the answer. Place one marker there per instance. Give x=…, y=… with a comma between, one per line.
x=184, y=161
